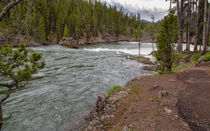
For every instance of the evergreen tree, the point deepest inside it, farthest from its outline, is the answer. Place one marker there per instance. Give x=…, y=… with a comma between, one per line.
x=66, y=31
x=18, y=66
x=168, y=34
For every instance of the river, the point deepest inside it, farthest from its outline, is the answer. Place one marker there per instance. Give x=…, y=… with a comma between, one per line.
x=60, y=95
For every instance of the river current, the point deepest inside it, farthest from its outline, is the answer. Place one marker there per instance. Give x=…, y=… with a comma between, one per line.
x=60, y=95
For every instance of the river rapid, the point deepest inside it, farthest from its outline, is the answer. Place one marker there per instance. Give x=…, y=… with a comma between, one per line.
x=61, y=95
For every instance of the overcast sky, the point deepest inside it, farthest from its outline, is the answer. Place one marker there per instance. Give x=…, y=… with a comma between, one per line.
x=147, y=8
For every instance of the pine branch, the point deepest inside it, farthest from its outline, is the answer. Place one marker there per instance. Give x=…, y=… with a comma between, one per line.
x=8, y=7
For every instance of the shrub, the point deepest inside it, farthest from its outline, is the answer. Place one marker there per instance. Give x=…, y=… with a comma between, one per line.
x=207, y=57
x=195, y=58
x=114, y=89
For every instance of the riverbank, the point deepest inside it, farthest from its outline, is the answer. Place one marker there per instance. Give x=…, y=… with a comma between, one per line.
x=72, y=43
x=158, y=102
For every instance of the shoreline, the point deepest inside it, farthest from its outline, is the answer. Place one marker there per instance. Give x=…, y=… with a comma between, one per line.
x=156, y=102
x=105, y=38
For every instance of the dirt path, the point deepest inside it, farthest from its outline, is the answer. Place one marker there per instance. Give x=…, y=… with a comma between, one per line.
x=175, y=102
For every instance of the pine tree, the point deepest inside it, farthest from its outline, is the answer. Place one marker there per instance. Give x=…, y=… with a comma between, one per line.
x=17, y=65
x=66, y=31
x=165, y=55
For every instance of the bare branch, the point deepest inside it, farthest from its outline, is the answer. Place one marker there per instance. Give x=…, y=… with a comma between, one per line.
x=8, y=7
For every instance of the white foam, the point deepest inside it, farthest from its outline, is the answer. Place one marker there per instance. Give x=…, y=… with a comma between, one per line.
x=127, y=51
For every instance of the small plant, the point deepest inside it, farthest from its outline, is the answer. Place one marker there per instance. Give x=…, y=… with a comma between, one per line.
x=195, y=58
x=207, y=57
x=114, y=89
x=135, y=90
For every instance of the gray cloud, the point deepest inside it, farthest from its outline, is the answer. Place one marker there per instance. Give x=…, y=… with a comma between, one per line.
x=146, y=13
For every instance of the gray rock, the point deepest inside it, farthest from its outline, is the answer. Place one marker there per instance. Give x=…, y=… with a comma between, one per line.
x=104, y=109
x=149, y=68
x=167, y=110
x=162, y=94
x=69, y=42
x=200, y=59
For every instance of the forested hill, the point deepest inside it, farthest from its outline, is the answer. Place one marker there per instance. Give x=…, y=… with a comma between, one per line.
x=48, y=21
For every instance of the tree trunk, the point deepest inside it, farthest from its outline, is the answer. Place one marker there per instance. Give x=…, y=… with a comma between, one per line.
x=8, y=7
x=139, y=48
x=205, y=29
x=208, y=28
x=196, y=25
x=1, y=117
x=180, y=20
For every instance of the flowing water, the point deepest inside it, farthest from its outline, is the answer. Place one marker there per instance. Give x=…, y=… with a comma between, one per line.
x=60, y=95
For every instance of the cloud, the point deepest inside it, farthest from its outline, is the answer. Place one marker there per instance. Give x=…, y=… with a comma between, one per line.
x=147, y=8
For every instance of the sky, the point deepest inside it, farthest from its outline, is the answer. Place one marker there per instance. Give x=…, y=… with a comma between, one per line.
x=147, y=8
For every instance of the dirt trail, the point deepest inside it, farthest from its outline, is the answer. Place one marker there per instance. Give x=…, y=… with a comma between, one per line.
x=194, y=102
x=175, y=102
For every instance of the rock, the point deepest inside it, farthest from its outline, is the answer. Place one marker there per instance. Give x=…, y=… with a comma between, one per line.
x=104, y=109
x=200, y=59
x=169, y=111
x=141, y=59
x=69, y=42
x=129, y=127
x=149, y=68
x=145, y=61
x=172, y=80
x=162, y=94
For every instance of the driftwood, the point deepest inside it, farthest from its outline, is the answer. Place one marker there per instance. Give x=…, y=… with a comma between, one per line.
x=8, y=7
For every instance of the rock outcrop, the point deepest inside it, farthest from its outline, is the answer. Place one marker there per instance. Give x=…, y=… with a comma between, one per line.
x=142, y=59
x=104, y=109
x=69, y=42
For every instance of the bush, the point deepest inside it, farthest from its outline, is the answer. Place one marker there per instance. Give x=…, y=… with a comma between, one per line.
x=207, y=57
x=195, y=58
x=114, y=89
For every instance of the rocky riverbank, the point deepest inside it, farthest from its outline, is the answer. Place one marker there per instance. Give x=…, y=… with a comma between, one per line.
x=159, y=102
x=68, y=42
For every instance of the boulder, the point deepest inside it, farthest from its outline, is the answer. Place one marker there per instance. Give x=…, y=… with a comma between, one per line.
x=200, y=59
x=149, y=68
x=69, y=42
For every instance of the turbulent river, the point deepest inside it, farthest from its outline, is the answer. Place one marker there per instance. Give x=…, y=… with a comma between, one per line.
x=60, y=95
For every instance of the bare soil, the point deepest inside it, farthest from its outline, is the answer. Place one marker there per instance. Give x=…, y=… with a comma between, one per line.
x=170, y=102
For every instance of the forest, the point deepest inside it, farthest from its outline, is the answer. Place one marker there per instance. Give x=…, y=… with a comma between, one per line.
x=49, y=21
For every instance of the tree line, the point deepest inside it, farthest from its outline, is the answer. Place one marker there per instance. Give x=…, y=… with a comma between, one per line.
x=47, y=20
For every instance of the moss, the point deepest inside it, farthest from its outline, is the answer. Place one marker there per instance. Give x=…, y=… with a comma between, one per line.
x=178, y=68
x=195, y=58
x=207, y=57
x=114, y=89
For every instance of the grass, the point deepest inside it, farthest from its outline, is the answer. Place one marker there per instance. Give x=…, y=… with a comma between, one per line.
x=195, y=58
x=114, y=89
x=135, y=90
x=178, y=68
x=142, y=57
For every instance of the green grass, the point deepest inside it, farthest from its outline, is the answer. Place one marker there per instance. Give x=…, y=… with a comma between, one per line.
x=195, y=58
x=114, y=89
x=142, y=57
x=178, y=68
x=207, y=57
